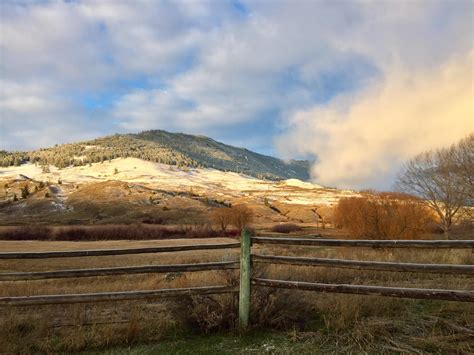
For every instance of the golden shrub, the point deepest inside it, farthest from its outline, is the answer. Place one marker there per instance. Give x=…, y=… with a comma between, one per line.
x=239, y=216
x=383, y=216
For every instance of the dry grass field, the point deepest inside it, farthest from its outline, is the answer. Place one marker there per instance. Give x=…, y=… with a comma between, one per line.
x=305, y=320
x=26, y=329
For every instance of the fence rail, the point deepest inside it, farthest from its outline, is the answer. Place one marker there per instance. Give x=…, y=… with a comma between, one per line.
x=366, y=265
x=366, y=243
x=103, y=252
x=419, y=293
x=61, y=274
x=113, y=296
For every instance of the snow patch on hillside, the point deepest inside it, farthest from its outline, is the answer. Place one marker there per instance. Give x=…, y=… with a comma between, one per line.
x=302, y=184
x=165, y=177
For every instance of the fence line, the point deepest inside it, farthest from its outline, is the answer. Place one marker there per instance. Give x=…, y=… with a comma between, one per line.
x=417, y=293
x=103, y=252
x=402, y=292
x=366, y=265
x=114, y=296
x=60, y=274
x=461, y=244
x=246, y=279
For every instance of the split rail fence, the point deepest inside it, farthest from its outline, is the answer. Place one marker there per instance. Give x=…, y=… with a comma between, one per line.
x=247, y=281
x=115, y=296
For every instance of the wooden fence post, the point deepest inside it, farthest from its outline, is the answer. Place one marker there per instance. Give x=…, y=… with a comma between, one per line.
x=245, y=274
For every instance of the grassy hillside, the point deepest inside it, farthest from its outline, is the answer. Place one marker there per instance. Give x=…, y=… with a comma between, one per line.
x=177, y=149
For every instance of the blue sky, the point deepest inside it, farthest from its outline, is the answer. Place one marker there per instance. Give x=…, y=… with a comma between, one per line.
x=285, y=78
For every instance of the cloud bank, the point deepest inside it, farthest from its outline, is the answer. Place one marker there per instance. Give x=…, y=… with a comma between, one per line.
x=361, y=140
x=421, y=99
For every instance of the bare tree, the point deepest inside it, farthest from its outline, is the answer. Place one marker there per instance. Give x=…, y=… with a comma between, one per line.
x=443, y=179
x=241, y=216
x=221, y=217
x=464, y=165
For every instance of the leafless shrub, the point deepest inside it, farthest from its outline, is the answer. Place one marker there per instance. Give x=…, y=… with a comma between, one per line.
x=240, y=216
x=110, y=232
x=280, y=309
x=131, y=232
x=209, y=314
x=383, y=216
x=152, y=220
x=464, y=228
x=286, y=228
x=221, y=217
x=27, y=233
x=203, y=231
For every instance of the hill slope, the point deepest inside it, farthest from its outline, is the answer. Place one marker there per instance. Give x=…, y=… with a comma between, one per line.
x=131, y=190
x=182, y=150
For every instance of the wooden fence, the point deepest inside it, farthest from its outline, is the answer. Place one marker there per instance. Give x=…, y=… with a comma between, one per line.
x=248, y=259
x=116, y=296
x=247, y=281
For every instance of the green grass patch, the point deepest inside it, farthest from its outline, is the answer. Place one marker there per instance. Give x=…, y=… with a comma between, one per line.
x=258, y=342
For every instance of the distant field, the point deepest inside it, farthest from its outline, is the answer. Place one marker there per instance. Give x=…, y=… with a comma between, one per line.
x=305, y=321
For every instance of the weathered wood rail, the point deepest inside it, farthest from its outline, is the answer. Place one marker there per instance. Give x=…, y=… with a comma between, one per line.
x=61, y=274
x=458, y=244
x=403, y=292
x=114, y=296
x=103, y=252
x=366, y=265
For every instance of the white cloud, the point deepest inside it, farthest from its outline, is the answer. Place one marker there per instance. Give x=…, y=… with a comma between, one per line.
x=361, y=140
x=421, y=99
x=241, y=71
x=68, y=51
x=32, y=115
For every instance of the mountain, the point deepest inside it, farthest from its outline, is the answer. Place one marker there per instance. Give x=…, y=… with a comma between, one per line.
x=178, y=149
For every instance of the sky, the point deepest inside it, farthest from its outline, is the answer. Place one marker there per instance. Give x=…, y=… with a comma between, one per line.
x=358, y=87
